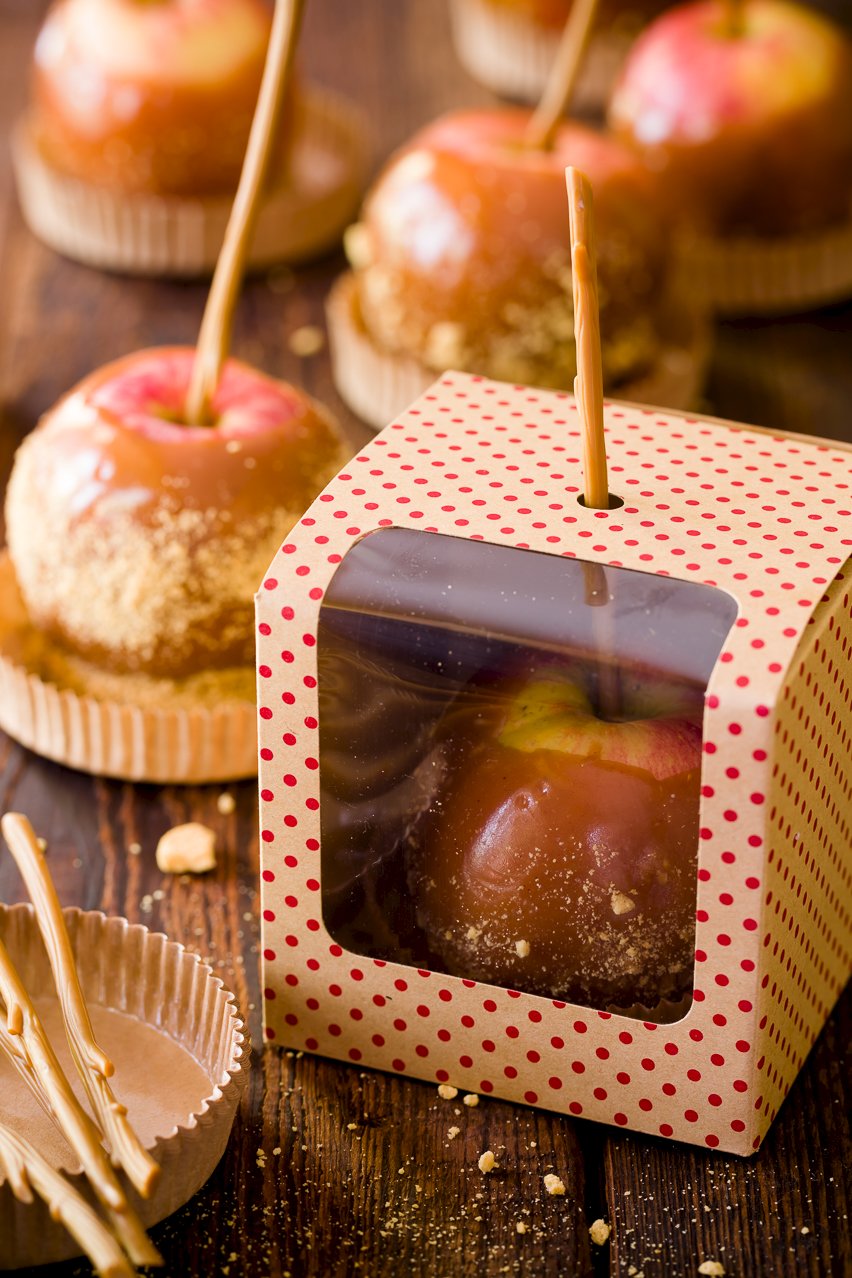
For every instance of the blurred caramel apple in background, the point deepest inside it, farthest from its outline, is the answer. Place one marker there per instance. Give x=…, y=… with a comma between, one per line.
x=461, y=259
x=149, y=96
x=561, y=857
x=745, y=112
x=138, y=540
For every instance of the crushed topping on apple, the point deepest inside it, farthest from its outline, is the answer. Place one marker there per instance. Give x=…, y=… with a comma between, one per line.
x=554, y=1186
x=522, y=949
x=187, y=849
x=621, y=903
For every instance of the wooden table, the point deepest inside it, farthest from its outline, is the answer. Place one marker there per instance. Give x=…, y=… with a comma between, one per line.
x=359, y=1176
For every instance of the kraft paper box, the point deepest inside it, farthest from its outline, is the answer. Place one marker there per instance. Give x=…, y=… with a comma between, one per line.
x=456, y=542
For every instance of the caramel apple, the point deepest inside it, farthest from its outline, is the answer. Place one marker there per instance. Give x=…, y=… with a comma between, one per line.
x=561, y=857
x=156, y=97
x=461, y=258
x=138, y=540
x=745, y=111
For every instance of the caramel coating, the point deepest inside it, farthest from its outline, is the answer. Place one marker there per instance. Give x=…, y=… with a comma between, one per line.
x=462, y=258
x=152, y=119
x=567, y=871
x=138, y=542
x=750, y=134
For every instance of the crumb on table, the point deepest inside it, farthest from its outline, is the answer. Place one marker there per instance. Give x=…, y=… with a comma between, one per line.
x=599, y=1232
x=487, y=1161
x=553, y=1184
x=187, y=849
x=446, y=1092
x=712, y=1268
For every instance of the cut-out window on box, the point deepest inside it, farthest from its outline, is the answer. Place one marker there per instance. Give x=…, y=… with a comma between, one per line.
x=510, y=755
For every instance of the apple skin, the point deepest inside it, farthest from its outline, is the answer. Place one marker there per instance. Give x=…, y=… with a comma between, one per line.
x=750, y=134
x=575, y=835
x=138, y=542
x=150, y=97
x=462, y=255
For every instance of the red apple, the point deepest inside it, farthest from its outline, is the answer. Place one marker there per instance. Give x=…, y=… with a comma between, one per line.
x=561, y=859
x=462, y=257
x=750, y=130
x=157, y=96
x=138, y=541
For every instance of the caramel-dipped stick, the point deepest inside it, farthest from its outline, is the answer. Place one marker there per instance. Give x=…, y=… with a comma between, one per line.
x=734, y=18
x=588, y=384
x=93, y=1066
x=563, y=75
x=27, y=1170
x=215, y=334
x=25, y=1042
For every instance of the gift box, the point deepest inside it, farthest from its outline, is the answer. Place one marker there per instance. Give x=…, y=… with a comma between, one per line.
x=450, y=592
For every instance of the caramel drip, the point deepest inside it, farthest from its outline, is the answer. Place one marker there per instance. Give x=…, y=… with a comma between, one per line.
x=563, y=75
x=93, y=1066
x=588, y=384
x=25, y=1042
x=217, y=322
x=27, y=1171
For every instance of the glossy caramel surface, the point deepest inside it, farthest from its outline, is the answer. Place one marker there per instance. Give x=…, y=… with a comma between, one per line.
x=749, y=133
x=154, y=98
x=139, y=541
x=463, y=258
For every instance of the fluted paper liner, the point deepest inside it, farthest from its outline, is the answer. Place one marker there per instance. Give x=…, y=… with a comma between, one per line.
x=157, y=984
x=512, y=55
x=302, y=215
x=378, y=385
x=123, y=738
x=779, y=275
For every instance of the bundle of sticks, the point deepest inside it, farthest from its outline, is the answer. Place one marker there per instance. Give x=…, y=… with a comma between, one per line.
x=114, y=1241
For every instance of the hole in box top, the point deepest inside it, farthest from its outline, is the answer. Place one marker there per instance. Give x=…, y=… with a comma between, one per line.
x=510, y=749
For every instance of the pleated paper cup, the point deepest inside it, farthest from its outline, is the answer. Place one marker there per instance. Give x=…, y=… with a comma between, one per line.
x=144, y=730
x=181, y=1057
x=777, y=276
x=378, y=385
x=303, y=214
x=512, y=56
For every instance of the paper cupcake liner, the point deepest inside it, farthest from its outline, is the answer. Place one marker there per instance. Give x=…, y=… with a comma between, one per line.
x=769, y=276
x=123, y=738
x=302, y=216
x=157, y=982
x=378, y=385
x=512, y=55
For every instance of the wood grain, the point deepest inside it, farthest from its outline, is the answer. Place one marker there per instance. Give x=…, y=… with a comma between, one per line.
x=300, y=1191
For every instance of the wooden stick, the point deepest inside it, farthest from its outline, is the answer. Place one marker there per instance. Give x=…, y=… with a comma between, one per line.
x=609, y=699
x=588, y=384
x=27, y=1170
x=541, y=129
x=93, y=1066
x=734, y=23
x=215, y=334
x=24, y=1040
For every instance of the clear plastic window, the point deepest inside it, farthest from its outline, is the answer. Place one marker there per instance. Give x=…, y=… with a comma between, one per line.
x=510, y=755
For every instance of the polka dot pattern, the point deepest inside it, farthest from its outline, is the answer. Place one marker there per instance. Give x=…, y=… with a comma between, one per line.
x=765, y=518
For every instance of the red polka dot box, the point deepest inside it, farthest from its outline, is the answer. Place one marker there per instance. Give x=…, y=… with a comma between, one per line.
x=556, y=803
